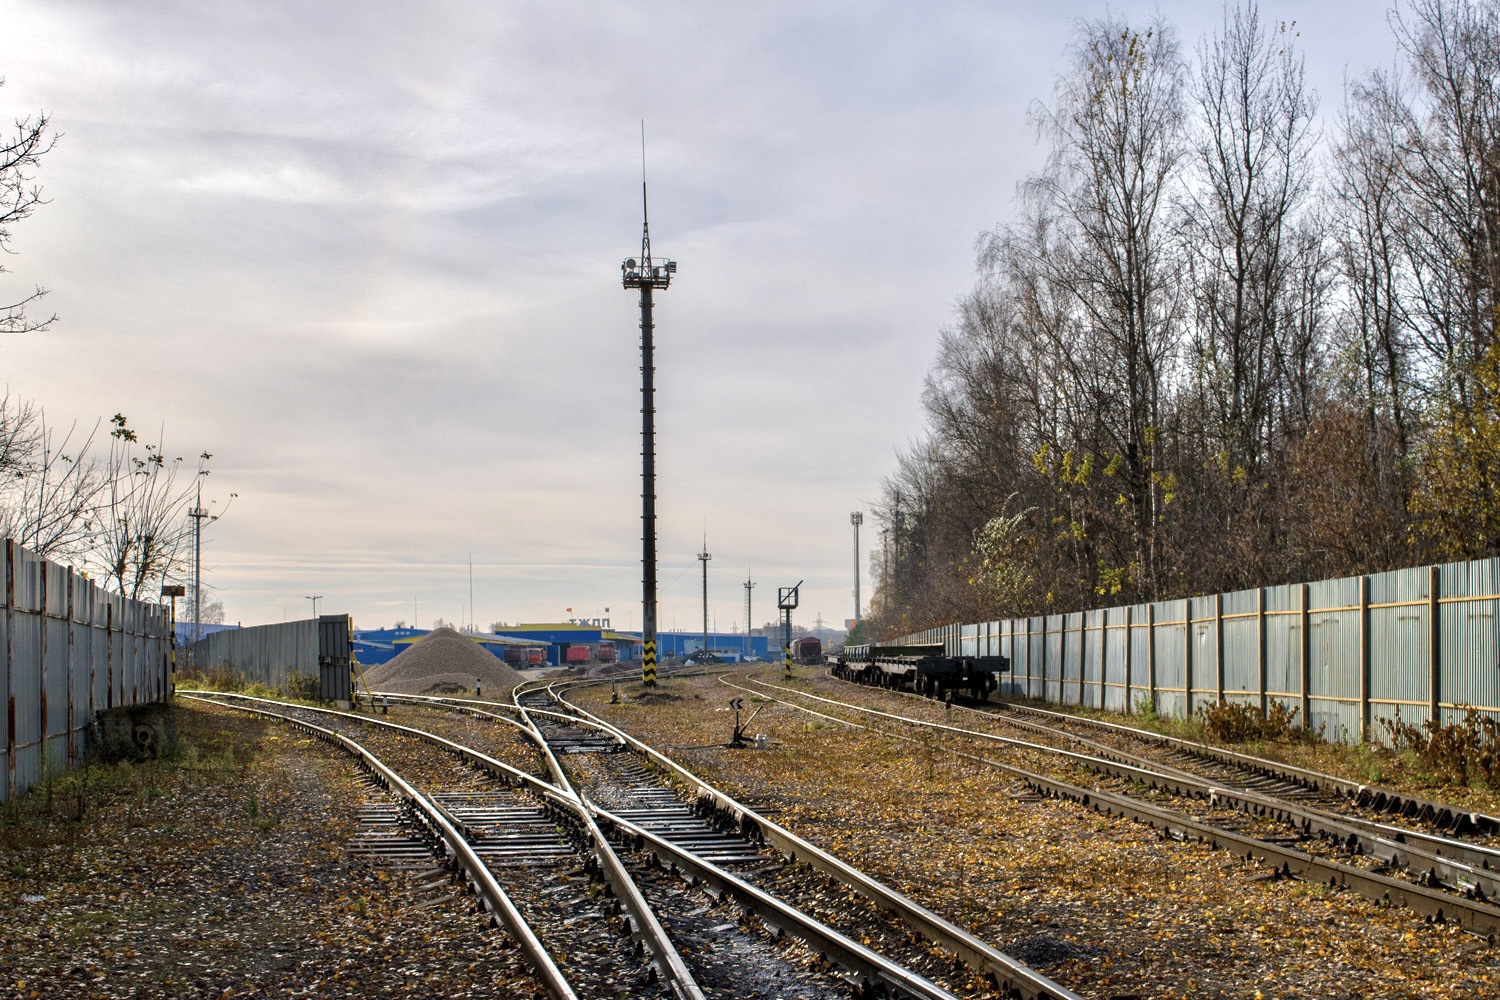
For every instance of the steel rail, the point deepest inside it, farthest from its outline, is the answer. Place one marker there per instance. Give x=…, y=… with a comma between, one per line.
x=1481, y=918
x=1459, y=860
x=1377, y=797
x=828, y=942
x=1466, y=868
x=673, y=969
x=651, y=932
x=1009, y=974
x=838, y=948
x=481, y=880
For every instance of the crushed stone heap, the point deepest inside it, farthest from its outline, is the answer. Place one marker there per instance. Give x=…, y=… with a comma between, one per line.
x=443, y=662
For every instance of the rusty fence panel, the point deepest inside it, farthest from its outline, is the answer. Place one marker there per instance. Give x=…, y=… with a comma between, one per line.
x=68, y=650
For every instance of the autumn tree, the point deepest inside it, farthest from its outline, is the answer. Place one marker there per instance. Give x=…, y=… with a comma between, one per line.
x=21, y=150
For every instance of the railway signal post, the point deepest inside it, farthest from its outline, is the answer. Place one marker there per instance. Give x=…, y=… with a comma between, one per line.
x=786, y=600
x=647, y=275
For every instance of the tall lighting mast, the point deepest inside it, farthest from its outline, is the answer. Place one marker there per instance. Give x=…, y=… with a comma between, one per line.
x=856, y=519
x=645, y=274
x=704, y=557
x=749, y=627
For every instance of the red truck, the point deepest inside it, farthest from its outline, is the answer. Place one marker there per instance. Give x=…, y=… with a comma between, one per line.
x=579, y=654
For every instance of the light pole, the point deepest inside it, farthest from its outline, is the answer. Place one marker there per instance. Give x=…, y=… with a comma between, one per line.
x=315, y=598
x=704, y=557
x=647, y=275
x=856, y=519
x=749, y=628
x=197, y=513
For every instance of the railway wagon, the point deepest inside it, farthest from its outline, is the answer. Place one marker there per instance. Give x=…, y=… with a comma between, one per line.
x=926, y=669
x=808, y=650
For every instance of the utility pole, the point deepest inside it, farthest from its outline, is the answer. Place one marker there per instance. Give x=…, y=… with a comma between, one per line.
x=704, y=557
x=856, y=519
x=315, y=598
x=198, y=514
x=471, y=592
x=647, y=275
x=749, y=627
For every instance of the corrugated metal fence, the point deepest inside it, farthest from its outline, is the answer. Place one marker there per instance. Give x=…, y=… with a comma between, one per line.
x=273, y=654
x=1344, y=654
x=70, y=649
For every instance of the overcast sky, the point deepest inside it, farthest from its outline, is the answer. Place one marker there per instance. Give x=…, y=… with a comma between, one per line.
x=367, y=254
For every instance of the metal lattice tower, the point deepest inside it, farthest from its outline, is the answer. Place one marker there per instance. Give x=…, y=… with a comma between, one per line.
x=647, y=275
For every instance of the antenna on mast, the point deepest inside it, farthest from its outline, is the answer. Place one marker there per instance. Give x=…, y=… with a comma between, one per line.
x=645, y=215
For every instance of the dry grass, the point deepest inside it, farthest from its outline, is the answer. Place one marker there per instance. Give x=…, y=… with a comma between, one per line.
x=1103, y=905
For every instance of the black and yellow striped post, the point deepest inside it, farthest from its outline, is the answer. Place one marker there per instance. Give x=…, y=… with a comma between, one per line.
x=648, y=663
x=786, y=671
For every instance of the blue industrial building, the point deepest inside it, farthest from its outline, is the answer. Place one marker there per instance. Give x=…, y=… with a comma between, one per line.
x=373, y=646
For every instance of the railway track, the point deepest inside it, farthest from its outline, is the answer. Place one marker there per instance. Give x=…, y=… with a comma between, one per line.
x=1315, y=807
x=623, y=860
x=1341, y=851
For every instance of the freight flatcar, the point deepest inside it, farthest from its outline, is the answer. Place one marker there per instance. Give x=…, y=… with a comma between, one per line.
x=925, y=669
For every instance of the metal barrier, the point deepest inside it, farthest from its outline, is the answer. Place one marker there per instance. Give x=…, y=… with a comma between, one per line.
x=1345, y=654
x=70, y=650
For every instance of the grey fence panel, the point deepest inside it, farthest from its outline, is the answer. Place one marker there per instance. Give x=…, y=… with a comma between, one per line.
x=68, y=650
x=1093, y=658
x=1116, y=650
x=1169, y=645
x=7, y=733
x=1334, y=663
x=262, y=654
x=1036, y=644
x=968, y=640
x=1052, y=657
x=1469, y=637
x=1203, y=652
x=1400, y=644
x=1140, y=655
x=1283, y=649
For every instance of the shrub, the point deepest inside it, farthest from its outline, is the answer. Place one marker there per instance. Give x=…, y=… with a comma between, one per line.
x=1238, y=722
x=1462, y=753
x=303, y=687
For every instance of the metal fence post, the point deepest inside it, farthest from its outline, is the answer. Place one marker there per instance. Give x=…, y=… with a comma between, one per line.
x=1129, y=643
x=1103, y=656
x=1306, y=660
x=1027, y=640
x=10, y=669
x=1260, y=643
x=1364, y=659
x=1434, y=647
x=1187, y=656
x=72, y=672
x=1083, y=651
x=43, y=709
x=1151, y=656
x=1219, y=645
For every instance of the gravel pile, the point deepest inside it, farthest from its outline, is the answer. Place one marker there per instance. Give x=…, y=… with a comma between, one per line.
x=443, y=662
